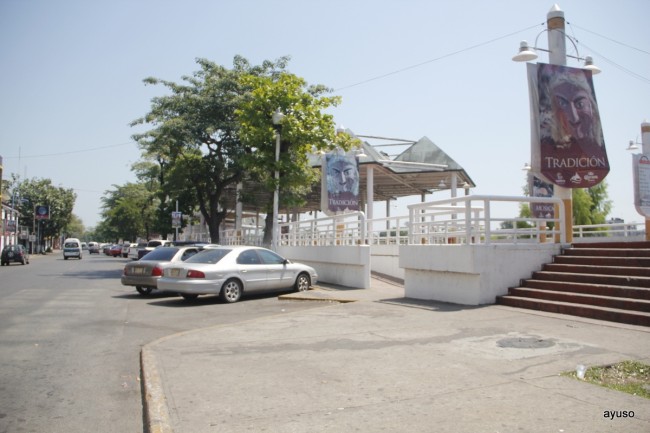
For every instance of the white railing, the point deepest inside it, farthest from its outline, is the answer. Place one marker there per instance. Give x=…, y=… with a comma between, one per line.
x=388, y=231
x=473, y=220
x=346, y=229
x=610, y=231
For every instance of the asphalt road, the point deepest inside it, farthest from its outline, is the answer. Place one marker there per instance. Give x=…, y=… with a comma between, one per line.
x=70, y=340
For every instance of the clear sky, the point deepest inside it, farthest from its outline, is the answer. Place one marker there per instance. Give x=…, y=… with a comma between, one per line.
x=72, y=74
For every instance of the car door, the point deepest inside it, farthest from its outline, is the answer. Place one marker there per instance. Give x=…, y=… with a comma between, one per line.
x=252, y=271
x=278, y=275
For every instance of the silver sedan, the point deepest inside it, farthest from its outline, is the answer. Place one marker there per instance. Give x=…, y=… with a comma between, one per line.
x=145, y=273
x=233, y=271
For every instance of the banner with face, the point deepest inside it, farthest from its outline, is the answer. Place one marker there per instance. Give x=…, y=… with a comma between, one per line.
x=568, y=148
x=340, y=183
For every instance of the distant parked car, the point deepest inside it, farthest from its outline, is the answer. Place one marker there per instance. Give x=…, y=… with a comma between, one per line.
x=134, y=251
x=151, y=245
x=14, y=254
x=93, y=248
x=125, y=249
x=232, y=271
x=144, y=273
x=115, y=251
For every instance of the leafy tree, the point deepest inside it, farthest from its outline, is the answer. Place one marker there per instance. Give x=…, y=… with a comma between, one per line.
x=125, y=211
x=303, y=130
x=196, y=133
x=40, y=192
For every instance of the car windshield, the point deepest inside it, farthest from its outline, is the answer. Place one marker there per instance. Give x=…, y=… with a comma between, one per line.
x=162, y=254
x=209, y=256
x=71, y=245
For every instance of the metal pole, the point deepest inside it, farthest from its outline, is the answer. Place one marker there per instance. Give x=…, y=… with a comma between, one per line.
x=276, y=193
x=645, y=142
x=555, y=25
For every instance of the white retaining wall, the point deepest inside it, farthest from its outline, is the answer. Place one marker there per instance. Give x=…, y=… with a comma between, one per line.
x=342, y=265
x=469, y=274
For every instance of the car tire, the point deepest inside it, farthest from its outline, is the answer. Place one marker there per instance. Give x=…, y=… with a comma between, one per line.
x=65, y=258
x=302, y=283
x=231, y=291
x=144, y=291
x=189, y=296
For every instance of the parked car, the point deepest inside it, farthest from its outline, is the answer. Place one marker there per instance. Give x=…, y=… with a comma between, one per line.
x=144, y=273
x=231, y=271
x=93, y=248
x=115, y=250
x=72, y=248
x=151, y=245
x=134, y=251
x=14, y=253
x=125, y=249
x=106, y=249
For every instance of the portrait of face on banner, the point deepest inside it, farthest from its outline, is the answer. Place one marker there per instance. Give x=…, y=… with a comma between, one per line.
x=340, y=192
x=568, y=147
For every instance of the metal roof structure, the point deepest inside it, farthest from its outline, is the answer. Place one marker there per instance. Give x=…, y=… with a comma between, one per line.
x=421, y=168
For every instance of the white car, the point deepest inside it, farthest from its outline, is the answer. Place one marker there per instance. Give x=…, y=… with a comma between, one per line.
x=231, y=271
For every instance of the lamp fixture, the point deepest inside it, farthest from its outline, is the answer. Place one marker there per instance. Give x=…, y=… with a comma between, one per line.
x=277, y=117
x=527, y=53
x=442, y=184
x=360, y=153
x=527, y=167
x=633, y=146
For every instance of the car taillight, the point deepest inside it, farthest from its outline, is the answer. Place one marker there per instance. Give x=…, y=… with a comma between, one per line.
x=156, y=271
x=195, y=274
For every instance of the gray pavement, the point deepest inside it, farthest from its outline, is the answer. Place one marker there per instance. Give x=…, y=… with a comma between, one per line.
x=374, y=361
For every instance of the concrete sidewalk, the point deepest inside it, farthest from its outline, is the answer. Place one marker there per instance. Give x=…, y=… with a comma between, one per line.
x=386, y=363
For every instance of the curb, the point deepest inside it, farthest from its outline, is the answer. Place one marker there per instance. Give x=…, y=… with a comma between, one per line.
x=156, y=414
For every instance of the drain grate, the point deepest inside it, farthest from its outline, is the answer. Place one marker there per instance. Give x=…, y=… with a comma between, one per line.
x=525, y=343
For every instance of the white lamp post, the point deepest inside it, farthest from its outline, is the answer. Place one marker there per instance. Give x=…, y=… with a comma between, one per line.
x=557, y=37
x=277, y=121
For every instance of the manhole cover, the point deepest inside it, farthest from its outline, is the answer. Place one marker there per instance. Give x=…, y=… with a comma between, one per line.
x=525, y=343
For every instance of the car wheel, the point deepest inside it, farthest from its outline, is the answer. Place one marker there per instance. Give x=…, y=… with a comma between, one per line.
x=231, y=291
x=189, y=296
x=144, y=291
x=65, y=258
x=302, y=283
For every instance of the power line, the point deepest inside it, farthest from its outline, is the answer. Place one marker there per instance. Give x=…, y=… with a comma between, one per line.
x=610, y=39
x=70, y=152
x=472, y=47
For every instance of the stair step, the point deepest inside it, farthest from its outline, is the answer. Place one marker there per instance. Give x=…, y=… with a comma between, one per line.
x=604, y=261
x=614, y=280
x=581, y=310
x=589, y=289
x=607, y=252
x=624, y=245
x=597, y=269
x=580, y=298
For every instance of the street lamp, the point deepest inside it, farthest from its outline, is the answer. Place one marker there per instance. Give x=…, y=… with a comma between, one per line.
x=557, y=37
x=277, y=118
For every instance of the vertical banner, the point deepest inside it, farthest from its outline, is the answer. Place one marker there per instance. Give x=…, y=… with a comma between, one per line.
x=567, y=142
x=177, y=219
x=641, y=170
x=539, y=188
x=340, y=183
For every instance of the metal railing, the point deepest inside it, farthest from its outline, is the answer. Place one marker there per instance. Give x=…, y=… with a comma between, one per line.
x=346, y=229
x=473, y=220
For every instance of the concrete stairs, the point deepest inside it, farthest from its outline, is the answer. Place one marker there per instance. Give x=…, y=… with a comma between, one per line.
x=605, y=281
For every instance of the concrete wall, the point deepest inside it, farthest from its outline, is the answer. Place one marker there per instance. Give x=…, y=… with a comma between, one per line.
x=343, y=265
x=384, y=259
x=469, y=274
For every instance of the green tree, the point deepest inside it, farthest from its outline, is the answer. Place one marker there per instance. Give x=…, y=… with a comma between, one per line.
x=304, y=129
x=125, y=211
x=30, y=193
x=196, y=135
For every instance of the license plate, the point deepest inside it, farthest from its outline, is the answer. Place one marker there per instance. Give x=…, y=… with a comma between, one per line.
x=175, y=272
x=138, y=271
